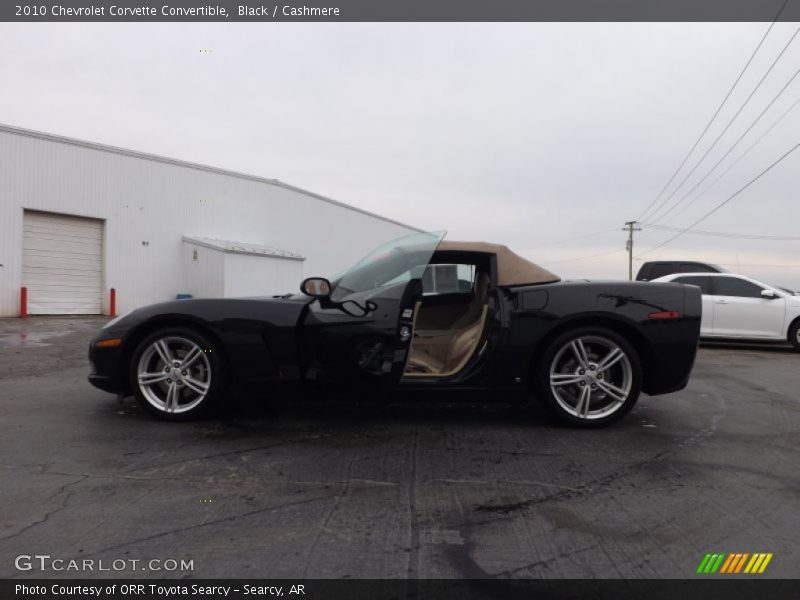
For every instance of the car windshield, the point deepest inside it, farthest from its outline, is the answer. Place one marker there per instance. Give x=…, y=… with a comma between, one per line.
x=399, y=260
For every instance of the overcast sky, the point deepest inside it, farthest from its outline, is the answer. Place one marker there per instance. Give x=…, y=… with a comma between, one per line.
x=525, y=134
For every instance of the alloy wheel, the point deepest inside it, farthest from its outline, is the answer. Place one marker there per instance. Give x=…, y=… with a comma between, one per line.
x=591, y=377
x=174, y=374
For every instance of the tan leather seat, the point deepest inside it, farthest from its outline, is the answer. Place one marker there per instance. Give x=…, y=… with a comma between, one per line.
x=446, y=351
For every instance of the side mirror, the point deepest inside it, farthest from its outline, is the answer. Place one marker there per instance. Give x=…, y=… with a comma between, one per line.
x=316, y=287
x=768, y=294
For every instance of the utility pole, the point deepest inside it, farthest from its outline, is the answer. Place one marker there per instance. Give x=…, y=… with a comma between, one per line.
x=630, y=227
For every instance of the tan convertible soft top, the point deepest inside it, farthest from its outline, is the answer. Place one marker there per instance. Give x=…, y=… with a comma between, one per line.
x=512, y=269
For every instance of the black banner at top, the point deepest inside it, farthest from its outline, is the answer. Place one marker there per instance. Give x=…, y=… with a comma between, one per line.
x=400, y=10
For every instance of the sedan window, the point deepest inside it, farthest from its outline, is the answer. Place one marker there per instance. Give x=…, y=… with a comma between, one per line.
x=704, y=283
x=661, y=269
x=731, y=286
x=696, y=268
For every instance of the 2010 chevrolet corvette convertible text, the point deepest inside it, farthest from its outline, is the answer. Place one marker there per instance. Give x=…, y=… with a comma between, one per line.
x=416, y=314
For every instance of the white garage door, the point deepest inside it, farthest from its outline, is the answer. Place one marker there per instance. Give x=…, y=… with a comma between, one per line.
x=62, y=264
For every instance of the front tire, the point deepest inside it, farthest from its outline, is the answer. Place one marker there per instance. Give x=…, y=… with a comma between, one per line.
x=589, y=377
x=794, y=335
x=177, y=374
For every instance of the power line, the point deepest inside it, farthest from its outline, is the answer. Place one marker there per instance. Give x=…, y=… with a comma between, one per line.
x=724, y=202
x=725, y=130
x=722, y=234
x=712, y=184
x=733, y=147
x=734, y=163
x=714, y=116
x=599, y=254
x=572, y=239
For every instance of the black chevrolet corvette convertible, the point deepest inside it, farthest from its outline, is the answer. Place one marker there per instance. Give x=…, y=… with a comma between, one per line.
x=416, y=314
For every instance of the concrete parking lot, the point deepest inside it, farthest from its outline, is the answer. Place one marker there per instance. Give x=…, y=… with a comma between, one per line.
x=416, y=489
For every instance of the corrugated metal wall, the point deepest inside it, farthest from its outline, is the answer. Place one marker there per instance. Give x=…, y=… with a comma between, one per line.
x=149, y=205
x=205, y=276
x=248, y=275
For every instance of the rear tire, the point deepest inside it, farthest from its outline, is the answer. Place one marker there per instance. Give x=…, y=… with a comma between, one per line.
x=794, y=335
x=589, y=377
x=178, y=374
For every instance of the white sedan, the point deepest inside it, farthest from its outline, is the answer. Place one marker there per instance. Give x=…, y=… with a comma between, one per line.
x=736, y=306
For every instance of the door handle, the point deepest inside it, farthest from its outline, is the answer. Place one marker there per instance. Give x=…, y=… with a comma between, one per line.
x=720, y=301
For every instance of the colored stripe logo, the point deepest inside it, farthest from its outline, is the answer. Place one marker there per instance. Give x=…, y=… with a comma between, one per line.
x=737, y=562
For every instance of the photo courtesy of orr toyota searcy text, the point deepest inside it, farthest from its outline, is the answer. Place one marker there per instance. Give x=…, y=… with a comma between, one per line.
x=160, y=591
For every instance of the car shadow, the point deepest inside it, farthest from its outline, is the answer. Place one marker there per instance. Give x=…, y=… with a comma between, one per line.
x=405, y=409
x=255, y=413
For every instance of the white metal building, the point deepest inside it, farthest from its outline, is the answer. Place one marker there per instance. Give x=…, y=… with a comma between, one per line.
x=78, y=218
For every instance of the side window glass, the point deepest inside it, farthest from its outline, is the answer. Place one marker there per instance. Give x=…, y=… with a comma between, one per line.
x=731, y=286
x=448, y=279
x=657, y=270
x=694, y=268
x=704, y=283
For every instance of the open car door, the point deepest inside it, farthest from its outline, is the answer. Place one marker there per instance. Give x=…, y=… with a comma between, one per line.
x=361, y=334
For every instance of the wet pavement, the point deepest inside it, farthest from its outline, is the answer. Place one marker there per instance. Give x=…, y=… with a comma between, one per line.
x=415, y=489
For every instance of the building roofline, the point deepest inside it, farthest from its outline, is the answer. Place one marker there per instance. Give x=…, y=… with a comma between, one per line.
x=51, y=137
x=219, y=246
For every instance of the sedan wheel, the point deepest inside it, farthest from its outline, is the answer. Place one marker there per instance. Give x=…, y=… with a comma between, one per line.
x=592, y=377
x=175, y=373
x=794, y=335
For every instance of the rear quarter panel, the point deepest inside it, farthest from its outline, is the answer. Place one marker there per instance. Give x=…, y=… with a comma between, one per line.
x=667, y=347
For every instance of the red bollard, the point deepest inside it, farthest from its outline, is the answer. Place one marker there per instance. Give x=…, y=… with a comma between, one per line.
x=113, y=304
x=23, y=302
